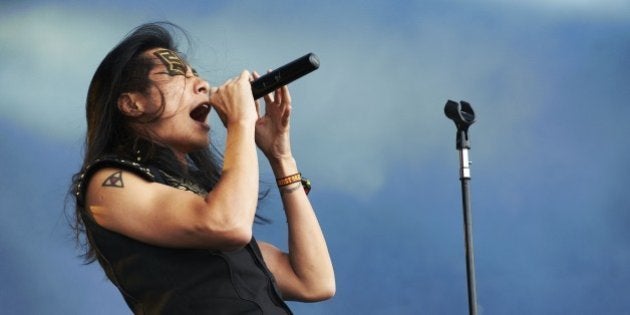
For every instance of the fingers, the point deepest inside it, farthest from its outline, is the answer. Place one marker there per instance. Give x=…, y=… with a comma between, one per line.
x=233, y=99
x=255, y=76
x=279, y=97
x=268, y=97
x=258, y=108
x=237, y=90
x=245, y=76
x=286, y=115
x=286, y=94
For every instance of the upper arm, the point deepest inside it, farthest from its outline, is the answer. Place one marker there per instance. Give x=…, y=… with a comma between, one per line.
x=278, y=263
x=158, y=214
x=289, y=283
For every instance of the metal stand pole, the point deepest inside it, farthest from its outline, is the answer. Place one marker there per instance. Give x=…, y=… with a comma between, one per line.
x=464, y=116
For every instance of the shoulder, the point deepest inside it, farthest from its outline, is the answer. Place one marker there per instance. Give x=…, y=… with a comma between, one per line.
x=109, y=170
x=115, y=162
x=114, y=188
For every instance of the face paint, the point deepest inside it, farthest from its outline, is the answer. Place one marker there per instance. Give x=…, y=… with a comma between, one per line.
x=174, y=64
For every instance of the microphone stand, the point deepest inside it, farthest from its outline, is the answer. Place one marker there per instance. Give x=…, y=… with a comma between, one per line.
x=464, y=116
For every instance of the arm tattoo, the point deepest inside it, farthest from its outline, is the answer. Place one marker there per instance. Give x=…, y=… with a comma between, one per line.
x=290, y=188
x=114, y=180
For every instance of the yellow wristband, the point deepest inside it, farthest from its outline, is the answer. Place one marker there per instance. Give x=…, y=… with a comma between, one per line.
x=295, y=178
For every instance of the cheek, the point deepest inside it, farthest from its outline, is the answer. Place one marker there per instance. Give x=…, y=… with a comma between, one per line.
x=167, y=98
x=169, y=108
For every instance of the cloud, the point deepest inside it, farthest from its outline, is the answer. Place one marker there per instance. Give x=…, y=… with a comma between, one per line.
x=591, y=9
x=375, y=102
x=548, y=148
x=377, y=99
x=49, y=54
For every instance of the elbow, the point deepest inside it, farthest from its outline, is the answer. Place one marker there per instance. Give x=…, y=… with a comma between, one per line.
x=227, y=236
x=227, y=225
x=235, y=239
x=329, y=291
x=322, y=292
x=326, y=293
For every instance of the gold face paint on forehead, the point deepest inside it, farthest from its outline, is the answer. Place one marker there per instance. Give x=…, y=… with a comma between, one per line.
x=174, y=64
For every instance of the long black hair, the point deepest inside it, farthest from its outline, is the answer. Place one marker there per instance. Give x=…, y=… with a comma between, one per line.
x=109, y=132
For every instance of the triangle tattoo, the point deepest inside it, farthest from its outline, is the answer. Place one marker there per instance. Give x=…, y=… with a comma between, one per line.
x=114, y=180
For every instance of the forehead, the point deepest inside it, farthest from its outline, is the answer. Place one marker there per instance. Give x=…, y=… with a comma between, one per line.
x=171, y=60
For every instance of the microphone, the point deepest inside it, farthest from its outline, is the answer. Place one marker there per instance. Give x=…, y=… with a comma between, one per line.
x=284, y=75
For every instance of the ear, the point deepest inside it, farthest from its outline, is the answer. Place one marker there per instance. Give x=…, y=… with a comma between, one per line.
x=130, y=104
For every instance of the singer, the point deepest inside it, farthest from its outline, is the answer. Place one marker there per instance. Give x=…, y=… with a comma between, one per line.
x=168, y=218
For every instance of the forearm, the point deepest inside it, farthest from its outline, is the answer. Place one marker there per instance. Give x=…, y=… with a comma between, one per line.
x=308, y=252
x=236, y=193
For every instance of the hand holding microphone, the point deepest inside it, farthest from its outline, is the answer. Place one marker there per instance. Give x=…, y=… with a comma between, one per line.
x=266, y=83
x=272, y=129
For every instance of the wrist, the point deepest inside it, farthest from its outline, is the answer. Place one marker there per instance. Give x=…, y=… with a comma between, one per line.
x=241, y=122
x=283, y=166
x=291, y=183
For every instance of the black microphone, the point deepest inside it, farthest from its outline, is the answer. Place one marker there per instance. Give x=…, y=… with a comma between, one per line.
x=284, y=75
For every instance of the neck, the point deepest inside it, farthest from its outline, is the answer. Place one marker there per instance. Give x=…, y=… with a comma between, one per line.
x=147, y=147
x=181, y=158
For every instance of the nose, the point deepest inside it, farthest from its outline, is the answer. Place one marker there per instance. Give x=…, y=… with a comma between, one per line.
x=202, y=86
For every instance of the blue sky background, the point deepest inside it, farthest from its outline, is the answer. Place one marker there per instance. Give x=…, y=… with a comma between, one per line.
x=548, y=79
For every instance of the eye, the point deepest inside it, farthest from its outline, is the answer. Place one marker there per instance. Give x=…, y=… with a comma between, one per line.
x=194, y=72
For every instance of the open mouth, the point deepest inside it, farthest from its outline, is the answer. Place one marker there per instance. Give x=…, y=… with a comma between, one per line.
x=200, y=113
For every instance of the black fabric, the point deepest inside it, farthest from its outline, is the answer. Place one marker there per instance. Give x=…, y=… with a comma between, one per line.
x=157, y=280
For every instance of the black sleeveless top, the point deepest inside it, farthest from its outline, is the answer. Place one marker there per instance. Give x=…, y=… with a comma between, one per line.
x=158, y=280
